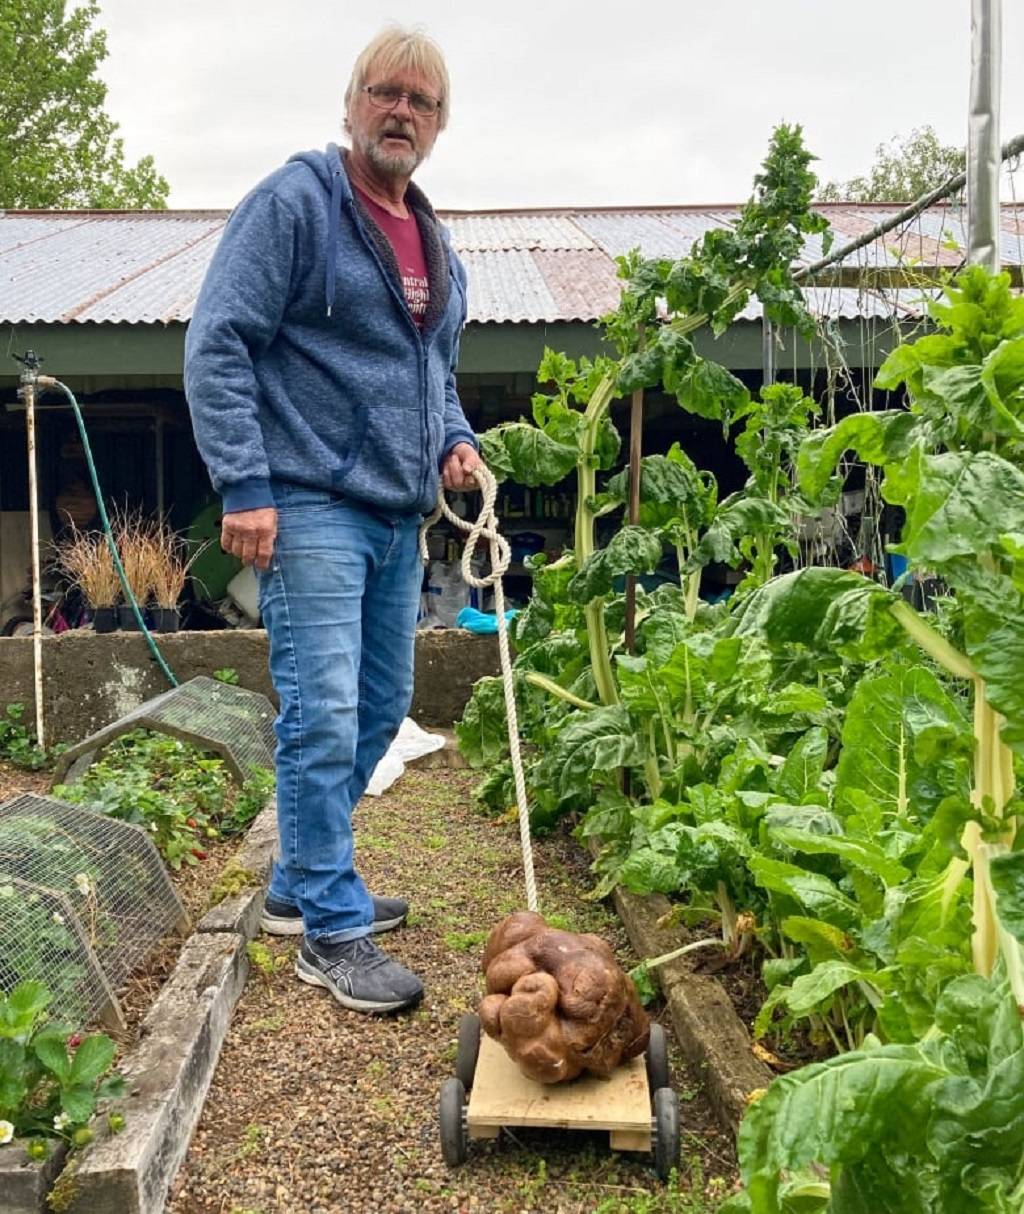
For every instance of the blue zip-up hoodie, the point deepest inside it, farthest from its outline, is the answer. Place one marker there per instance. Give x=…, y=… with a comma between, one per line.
x=302, y=360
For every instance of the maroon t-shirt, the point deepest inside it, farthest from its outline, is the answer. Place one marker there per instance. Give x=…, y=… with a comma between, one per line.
x=404, y=237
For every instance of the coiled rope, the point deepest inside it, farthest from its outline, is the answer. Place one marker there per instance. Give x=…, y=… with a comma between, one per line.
x=486, y=528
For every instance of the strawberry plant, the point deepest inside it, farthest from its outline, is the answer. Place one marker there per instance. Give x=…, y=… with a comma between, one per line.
x=51, y=1078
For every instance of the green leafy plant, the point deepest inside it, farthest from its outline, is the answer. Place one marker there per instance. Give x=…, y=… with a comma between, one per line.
x=568, y=643
x=227, y=674
x=960, y=445
x=16, y=744
x=934, y=1128
x=249, y=801
x=51, y=1078
x=173, y=789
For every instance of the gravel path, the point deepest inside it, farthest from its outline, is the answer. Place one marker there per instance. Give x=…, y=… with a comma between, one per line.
x=317, y=1109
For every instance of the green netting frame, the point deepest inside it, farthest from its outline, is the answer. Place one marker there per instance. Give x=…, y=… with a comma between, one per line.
x=230, y=721
x=106, y=884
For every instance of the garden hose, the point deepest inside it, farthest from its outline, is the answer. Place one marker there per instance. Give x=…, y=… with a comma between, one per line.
x=486, y=527
x=48, y=381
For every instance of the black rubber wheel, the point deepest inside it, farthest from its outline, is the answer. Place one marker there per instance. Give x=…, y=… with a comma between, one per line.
x=454, y=1139
x=469, y=1048
x=657, y=1060
x=666, y=1132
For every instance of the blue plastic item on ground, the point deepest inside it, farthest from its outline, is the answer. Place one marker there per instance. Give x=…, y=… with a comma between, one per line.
x=481, y=621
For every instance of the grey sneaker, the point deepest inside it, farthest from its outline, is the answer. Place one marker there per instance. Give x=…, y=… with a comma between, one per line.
x=283, y=919
x=359, y=975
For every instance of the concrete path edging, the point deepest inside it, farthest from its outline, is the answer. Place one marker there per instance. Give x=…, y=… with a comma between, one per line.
x=169, y=1072
x=167, y=1078
x=713, y=1038
x=24, y=1182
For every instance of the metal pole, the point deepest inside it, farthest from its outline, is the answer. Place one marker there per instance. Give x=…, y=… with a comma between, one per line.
x=28, y=394
x=983, y=151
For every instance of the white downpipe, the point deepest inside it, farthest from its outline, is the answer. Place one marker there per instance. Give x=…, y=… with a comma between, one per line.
x=29, y=394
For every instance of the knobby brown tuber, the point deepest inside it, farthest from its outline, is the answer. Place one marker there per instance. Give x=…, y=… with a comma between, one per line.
x=559, y=1002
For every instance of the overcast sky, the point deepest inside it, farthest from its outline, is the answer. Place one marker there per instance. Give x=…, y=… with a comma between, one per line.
x=555, y=102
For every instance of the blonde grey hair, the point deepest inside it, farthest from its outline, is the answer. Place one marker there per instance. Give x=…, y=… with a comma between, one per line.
x=397, y=49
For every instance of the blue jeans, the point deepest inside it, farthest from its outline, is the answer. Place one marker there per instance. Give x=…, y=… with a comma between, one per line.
x=339, y=604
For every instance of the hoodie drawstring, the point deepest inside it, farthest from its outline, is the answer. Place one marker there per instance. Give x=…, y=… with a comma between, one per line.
x=333, y=221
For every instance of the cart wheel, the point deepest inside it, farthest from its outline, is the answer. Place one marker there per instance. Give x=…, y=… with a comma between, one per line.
x=657, y=1060
x=454, y=1139
x=666, y=1132
x=469, y=1048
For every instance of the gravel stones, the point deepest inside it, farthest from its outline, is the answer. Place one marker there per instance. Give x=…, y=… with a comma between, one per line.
x=314, y=1108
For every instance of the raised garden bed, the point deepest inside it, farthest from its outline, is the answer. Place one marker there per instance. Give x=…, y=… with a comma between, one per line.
x=176, y=1007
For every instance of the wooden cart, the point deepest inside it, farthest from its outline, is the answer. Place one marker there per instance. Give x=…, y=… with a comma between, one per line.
x=635, y=1105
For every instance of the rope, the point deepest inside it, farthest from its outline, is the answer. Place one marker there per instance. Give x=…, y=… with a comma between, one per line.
x=486, y=528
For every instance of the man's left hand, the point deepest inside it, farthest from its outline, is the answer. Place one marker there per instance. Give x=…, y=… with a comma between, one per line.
x=459, y=463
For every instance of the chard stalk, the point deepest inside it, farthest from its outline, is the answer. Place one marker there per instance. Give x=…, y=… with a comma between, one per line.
x=990, y=792
x=689, y=582
x=651, y=769
x=902, y=800
x=692, y=947
x=832, y=1033
x=555, y=689
x=729, y=916
x=998, y=938
x=851, y=1039
x=993, y=788
x=932, y=642
x=586, y=487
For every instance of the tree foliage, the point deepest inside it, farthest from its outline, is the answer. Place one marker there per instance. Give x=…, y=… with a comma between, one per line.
x=58, y=146
x=902, y=171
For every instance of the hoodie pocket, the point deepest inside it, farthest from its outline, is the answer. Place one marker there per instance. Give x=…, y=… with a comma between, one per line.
x=384, y=464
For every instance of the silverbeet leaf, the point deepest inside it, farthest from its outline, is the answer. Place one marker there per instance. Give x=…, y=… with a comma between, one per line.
x=823, y=609
x=836, y=1112
x=958, y=504
x=819, y=896
x=592, y=744
x=525, y=454
x=632, y=550
x=1008, y=882
x=877, y=438
x=709, y=390
x=906, y=743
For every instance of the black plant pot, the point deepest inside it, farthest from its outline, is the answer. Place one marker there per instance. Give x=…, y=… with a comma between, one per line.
x=126, y=615
x=104, y=619
x=165, y=619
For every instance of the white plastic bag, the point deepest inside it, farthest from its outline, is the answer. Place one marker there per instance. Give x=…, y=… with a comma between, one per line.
x=447, y=592
x=410, y=743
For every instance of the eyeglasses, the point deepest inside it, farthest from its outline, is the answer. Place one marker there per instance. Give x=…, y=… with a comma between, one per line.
x=387, y=96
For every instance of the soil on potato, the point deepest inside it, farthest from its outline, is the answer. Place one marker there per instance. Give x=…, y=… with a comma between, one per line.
x=319, y=1110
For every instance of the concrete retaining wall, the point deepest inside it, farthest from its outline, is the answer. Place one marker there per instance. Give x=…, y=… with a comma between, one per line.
x=90, y=680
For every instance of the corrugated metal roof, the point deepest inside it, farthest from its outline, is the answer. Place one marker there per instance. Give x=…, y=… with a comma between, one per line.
x=499, y=232
x=529, y=265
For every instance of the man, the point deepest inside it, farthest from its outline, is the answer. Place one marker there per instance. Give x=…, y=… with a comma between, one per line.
x=319, y=368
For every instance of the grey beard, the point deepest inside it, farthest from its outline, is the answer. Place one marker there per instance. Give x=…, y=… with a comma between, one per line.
x=391, y=164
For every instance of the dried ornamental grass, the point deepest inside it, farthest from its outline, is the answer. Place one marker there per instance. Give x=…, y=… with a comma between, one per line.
x=85, y=558
x=171, y=572
x=140, y=555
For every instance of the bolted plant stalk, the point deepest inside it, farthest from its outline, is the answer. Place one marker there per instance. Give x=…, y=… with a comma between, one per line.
x=586, y=485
